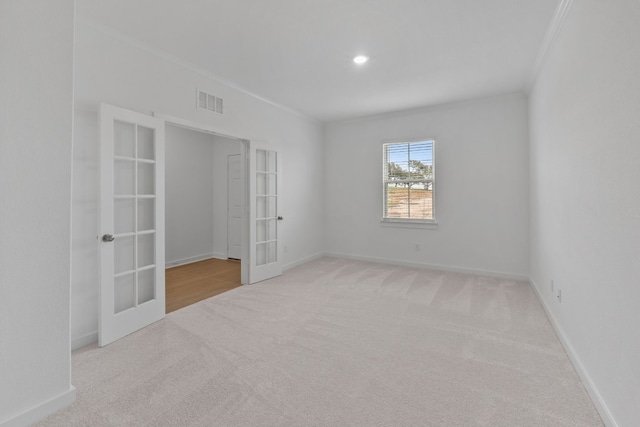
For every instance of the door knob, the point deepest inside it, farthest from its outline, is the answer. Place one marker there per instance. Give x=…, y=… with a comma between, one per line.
x=280, y=218
x=108, y=238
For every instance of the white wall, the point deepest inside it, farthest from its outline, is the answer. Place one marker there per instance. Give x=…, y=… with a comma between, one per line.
x=111, y=69
x=36, y=105
x=85, y=229
x=481, y=187
x=585, y=204
x=222, y=147
x=188, y=195
x=196, y=194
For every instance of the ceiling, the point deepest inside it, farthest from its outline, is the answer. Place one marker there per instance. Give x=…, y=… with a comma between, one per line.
x=298, y=53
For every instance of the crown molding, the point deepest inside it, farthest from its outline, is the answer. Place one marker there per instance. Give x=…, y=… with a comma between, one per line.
x=430, y=108
x=115, y=34
x=550, y=37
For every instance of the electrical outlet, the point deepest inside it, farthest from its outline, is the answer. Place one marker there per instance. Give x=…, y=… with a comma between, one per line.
x=560, y=295
x=417, y=247
x=552, y=289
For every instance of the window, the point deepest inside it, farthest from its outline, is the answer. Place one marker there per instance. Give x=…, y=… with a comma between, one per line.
x=408, y=181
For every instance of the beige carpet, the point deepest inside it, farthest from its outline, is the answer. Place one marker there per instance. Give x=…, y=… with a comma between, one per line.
x=335, y=343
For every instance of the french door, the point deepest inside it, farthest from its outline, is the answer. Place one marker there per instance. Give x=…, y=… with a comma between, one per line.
x=132, y=288
x=132, y=245
x=265, y=176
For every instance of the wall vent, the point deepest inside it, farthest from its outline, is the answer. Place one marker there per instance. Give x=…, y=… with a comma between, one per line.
x=206, y=101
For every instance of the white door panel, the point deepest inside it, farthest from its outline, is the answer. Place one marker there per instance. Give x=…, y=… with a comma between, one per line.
x=265, y=173
x=132, y=288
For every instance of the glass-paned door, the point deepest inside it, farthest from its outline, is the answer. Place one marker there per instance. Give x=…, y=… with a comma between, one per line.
x=132, y=222
x=265, y=221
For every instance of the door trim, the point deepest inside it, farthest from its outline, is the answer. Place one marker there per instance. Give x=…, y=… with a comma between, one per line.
x=229, y=218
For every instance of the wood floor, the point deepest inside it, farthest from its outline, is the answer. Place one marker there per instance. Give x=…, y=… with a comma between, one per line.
x=188, y=284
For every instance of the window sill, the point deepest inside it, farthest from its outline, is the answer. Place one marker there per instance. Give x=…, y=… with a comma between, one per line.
x=399, y=223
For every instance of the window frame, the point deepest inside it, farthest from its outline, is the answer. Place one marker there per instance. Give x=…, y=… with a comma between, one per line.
x=409, y=222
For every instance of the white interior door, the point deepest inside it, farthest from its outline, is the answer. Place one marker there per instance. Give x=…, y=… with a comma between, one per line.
x=234, y=206
x=132, y=289
x=265, y=173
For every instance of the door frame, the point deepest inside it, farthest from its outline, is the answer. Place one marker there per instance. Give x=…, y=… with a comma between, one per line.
x=228, y=201
x=244, y=170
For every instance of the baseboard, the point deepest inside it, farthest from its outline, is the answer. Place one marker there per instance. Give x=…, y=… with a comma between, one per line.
x=497, y=274
x=43, y=410
x=596, y=397
x=190, y=260
x=84, y=340
x=294, y=264
x=219, y=255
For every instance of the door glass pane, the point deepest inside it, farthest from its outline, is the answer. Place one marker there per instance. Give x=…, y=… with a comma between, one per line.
x=261, y=184
x=261, y=207
x=146, y=178
x=124, y=293
x=124, y=138
x=272, y=180
x=146, y=214
x=272, y=207
x=272, y=253
x=272, y=229
x=124, y=215
x=146, y=285
x=261, y=254
x=271, y=162
x=124, y=177
x=146, y=250
x=261, y=160
x=261, y=230
x=146, y=143
x=123, y=253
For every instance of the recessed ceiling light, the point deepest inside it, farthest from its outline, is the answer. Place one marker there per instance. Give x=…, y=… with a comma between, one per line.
x=360, y=59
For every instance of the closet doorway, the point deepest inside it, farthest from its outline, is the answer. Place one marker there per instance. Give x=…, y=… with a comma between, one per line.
x=199, y=212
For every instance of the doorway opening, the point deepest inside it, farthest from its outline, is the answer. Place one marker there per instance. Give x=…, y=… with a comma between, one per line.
x=203, y=215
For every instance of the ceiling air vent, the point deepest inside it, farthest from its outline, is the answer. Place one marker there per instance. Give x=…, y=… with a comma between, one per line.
x=206, y=101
